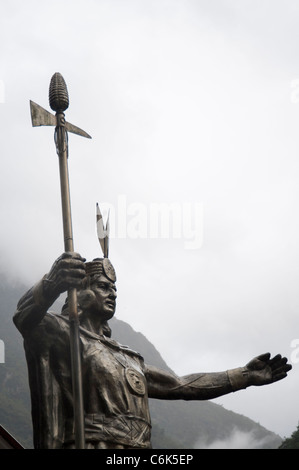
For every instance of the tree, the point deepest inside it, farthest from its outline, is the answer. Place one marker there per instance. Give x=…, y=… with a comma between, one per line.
x=291, y=442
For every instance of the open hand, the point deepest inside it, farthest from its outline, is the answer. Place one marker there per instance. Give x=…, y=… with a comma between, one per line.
x=263, y=370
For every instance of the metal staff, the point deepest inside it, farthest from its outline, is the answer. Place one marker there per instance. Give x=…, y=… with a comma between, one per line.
x=59, y=102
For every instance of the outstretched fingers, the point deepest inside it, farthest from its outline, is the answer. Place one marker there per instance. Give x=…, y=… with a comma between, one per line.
x=280, y=367
x=275, y=360
x=264, y=357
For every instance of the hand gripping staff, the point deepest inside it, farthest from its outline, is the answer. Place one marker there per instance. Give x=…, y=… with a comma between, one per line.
x=59, y=102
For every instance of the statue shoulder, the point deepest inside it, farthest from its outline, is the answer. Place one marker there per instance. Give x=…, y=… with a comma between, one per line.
x=51, y=324
x=123, y=348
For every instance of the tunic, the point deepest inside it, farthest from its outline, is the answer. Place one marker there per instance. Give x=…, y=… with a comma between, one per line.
x=114, y=387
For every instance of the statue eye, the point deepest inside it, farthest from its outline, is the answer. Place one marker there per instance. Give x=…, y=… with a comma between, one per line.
x=101, y=285
x=104, y=286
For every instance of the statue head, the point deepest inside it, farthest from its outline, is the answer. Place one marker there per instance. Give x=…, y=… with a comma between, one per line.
x=98, y=295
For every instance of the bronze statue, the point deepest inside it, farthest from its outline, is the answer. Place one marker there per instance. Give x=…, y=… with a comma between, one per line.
x=88, y=391
x=116, y=381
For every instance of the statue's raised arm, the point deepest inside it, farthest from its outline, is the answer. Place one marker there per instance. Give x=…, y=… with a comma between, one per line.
x=68, y=271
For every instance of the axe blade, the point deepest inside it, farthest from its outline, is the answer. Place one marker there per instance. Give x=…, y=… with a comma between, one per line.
x=42, y=117
x=76, y=130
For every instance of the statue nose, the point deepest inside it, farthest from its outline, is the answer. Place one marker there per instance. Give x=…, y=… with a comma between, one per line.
x=112, y=294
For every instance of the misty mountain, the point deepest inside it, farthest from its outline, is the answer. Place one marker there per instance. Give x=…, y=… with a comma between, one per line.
x=176, y=424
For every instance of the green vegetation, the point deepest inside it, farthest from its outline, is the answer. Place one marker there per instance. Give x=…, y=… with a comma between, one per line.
x=15, y=413
x=291, y=442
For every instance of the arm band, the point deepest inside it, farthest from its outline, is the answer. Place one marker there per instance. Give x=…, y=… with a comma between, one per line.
x=238, y=378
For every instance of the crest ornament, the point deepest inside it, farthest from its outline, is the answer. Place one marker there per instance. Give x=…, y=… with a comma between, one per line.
x=109, y=270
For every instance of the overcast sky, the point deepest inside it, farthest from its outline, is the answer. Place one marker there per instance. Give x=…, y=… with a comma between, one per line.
x=193, y=109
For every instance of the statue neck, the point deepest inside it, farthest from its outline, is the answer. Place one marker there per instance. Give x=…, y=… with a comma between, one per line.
x=94, y=325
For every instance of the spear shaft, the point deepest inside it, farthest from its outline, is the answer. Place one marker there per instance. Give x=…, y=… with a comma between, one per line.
x=61, y=140
x=59, y=101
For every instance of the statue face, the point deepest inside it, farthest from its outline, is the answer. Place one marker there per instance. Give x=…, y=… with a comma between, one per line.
x=105, y=296
x=100, y=298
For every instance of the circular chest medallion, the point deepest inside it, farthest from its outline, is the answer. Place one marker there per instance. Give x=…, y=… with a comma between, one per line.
x=135, y=381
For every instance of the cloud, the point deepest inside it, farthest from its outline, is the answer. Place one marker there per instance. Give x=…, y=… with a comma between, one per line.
x=237, y=439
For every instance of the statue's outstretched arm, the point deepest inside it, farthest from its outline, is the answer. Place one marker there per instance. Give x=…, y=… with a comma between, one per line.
x=205, y=386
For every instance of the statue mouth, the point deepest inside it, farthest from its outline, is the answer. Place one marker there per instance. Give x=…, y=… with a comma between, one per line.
x=110, y=304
